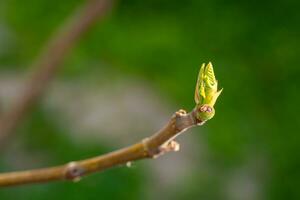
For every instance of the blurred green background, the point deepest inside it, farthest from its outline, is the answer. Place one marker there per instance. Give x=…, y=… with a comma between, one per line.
x=128, y=74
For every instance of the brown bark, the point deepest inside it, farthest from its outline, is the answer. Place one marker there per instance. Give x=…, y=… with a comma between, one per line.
x=161, y=142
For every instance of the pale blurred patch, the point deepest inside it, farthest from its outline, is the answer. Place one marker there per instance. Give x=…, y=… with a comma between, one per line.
x=248, y=181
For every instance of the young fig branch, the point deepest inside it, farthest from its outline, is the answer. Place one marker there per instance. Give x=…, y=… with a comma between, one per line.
x=152, y=147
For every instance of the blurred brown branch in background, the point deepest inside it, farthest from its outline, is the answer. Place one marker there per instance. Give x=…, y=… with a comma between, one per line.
x=49, y=61
x=159, y=143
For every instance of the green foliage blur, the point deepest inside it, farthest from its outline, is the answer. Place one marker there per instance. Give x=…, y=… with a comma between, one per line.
x=254, y=47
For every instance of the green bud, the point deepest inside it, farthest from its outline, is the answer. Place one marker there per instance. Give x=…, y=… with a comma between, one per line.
x=206, y=93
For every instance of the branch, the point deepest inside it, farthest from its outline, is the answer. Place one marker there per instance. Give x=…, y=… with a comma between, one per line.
x=50, y=60
x=161, y=142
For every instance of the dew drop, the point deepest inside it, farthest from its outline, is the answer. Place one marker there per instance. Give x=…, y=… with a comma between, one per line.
x=129, y=164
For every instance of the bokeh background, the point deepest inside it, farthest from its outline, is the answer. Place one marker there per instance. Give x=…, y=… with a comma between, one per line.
x=128, y=74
